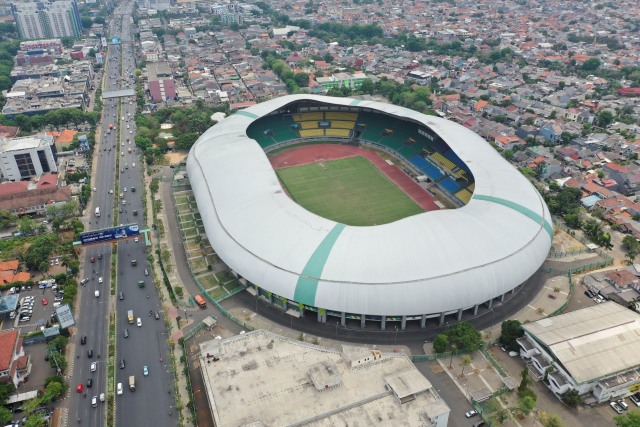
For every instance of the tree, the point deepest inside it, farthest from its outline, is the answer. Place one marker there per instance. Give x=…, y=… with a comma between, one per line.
x=52, y=392
x=630, y=419
x=527, y=404
x=5, y=415
x=464, y=336
x=6, y=390
x=630, y=244
x=552, y=420
x=27, y=226
x=511, y=330
x=38, y=254
x=302, y=79
x=58, y=361
x=440, y=343
x=466, y=361
x=87, y=22
x=453, y=349
x=524, y=380
x=591, y=64
x=7, y=219
x=572, y=399
x=605, y=118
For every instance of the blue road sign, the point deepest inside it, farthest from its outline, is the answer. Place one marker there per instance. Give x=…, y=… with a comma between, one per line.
x=109, y=234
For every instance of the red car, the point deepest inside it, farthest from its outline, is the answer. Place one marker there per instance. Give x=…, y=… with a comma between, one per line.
x=79, y=388
x=44, y=301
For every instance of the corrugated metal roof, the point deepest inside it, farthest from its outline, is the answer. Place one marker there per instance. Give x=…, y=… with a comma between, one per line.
x=593, y=342
x=427, y=263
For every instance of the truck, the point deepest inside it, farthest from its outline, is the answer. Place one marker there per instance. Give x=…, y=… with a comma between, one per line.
x=200, y=302
x=130, y=316
x=132, y=383
x=98, y=211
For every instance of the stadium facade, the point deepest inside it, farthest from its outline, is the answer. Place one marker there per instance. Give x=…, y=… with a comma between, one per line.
x=426, y=266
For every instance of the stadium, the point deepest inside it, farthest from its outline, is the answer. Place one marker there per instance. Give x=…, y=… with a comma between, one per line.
x=480, y=231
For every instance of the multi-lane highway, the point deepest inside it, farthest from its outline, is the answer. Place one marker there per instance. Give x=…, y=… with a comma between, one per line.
x=152, y=402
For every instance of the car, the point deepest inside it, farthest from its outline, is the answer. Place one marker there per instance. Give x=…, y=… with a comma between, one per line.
x=100, y=279
x=121, y=296
x=44, y=301
x=514, y=354
x=94, y=401
x=84, y=281
x=157, y=315
x=145, y=370
x=616, y=407
x=90, y=383
x=635, y=399
x=92, y=259
x=623, y=404
x=102, y=397
x=94, y=366
x=146, y=272
x=136, y=240
x=83, y=340
x=24, y=319
x=471, y=413
x=480, y=423
x=125, y=189
x=122, y=364
x=588, y=293
x=110, y=191
x=119, y=389
x=139, y=322
x=90, y=354
x=12, y=315
x=126, y=333
x=79, y=388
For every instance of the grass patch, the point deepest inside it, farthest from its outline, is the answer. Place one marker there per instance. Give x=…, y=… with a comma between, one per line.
x=198, y=264
x=217, y=292
x=208, y=281
x=351, y=191
x=233, y=286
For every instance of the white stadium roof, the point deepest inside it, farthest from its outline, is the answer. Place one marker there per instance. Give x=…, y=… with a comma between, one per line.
x=433, y=262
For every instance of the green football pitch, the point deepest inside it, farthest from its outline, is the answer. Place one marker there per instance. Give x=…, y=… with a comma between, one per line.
x=351, y=191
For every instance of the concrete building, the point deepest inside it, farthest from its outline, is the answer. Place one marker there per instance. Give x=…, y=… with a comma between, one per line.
x=262, y=379
x=156, y=4
x=47, y=19
x=594, y=351
x=32, y=197
x=26, y=157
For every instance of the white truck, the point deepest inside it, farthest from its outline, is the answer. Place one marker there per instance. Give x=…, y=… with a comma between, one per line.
x=97, y=211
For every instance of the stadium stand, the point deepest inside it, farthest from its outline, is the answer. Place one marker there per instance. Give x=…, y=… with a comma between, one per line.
x=432, y=157
x=311, y=132
x=332, y=115
x=338, y=132
x=464, y=195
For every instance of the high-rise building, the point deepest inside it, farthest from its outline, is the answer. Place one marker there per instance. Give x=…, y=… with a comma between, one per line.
x=26, y=157
x=47, y=19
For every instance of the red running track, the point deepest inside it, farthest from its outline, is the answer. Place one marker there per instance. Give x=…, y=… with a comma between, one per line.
x=306, y=154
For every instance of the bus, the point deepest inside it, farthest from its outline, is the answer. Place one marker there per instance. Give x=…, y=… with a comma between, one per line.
x=200, y=302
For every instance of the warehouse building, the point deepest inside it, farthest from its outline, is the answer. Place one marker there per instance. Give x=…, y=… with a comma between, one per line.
x=594, y=351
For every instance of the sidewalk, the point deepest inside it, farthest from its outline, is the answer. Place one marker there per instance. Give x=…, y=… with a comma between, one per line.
x=172, y=312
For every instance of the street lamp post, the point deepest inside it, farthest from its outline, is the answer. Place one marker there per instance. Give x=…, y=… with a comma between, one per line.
x=336, y=330
x=395, y=339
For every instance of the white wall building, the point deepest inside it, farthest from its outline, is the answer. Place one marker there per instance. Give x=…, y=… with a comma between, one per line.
x=26, y=157
x=47, y=19
x=594, y=351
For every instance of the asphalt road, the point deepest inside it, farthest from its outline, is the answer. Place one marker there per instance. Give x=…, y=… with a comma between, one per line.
x=152, y=401
x=92, y=312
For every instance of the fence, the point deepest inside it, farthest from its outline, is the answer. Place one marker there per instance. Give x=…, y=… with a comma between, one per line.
x=434, y=356
x=494, y=362
x=566, y=254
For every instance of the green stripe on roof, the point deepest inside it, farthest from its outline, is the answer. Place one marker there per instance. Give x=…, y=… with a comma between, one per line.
x=519, y=208
x=246, y=114
x=308, y=282
x=356, y=102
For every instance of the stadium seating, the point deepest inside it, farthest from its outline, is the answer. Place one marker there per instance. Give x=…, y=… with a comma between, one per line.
x=333, y=115
x=464, y=195
x=304, y=117
x=308, y=133
x=309, y=125
x=338, y=132
x=341, y=124
x=442, y=160
x=427, y=167
x=450, y=185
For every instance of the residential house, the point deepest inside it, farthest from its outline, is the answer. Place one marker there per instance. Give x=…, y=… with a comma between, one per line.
x=15, y=364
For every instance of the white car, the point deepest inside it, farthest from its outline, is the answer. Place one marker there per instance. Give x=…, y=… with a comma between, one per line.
x=139, y=322
x=100, y=279
x=94, y=366
x=136, y=240
x=119, y=389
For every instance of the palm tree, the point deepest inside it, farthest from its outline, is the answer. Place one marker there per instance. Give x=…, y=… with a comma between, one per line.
x=453, y=347
x=466, y=361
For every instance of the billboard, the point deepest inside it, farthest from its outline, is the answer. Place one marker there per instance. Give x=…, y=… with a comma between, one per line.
x=65, y=316
x=109, y=234
x=115, y=40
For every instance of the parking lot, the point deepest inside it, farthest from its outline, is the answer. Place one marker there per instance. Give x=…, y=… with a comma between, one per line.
x=35, y=307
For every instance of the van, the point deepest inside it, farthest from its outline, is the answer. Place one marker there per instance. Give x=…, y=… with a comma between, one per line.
x=97, y=294
x=132, y=383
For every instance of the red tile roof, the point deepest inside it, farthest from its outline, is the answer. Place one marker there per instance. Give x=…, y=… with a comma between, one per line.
x=7, y=346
